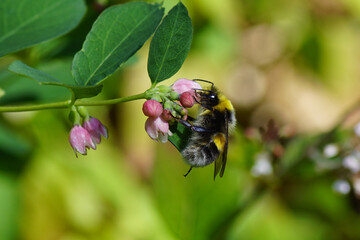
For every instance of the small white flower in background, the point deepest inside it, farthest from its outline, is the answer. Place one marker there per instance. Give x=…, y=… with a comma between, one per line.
x=262, y=165
x=331, y=150
x=357, y=129
x=356, y=153
x=341, y=186
x=352, y=163
x=356, y=186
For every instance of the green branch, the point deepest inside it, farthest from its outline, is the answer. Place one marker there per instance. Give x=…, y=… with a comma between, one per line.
x=68, y=103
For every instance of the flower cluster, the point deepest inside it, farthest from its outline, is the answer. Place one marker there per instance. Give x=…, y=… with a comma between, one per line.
x=165, y=104
x=271, y=138
x=87, y=135
x=342, y=159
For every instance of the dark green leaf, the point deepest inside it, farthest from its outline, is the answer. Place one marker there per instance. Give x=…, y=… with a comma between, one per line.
x=115, y=36
x=45, y=79
x=86, y=91
x=24, y=23
x=170, y=44
x=180, y=135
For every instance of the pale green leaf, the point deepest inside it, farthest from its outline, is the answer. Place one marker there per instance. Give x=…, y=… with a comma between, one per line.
x=43, y=78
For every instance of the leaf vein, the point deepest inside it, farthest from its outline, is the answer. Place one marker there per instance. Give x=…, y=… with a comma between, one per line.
x=30, y=20
x=118, y=45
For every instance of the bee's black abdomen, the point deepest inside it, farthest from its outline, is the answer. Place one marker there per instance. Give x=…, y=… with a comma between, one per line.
x=199, y=155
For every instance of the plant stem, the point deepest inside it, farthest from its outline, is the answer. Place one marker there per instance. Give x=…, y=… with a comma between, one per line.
x=68, y=103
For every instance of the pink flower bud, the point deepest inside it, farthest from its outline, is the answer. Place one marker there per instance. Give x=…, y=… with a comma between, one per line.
x=80, y=139
x=95, y=129
x=166, y=115
x=157, y=129
x=187, y=99
x=152, y=108
x=184, y=85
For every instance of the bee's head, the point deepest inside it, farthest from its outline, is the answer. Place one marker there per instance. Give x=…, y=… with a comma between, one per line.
x=208, y=97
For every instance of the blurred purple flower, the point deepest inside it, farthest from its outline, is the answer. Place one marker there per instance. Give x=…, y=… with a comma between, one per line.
x=95, y=128
x=80, y=139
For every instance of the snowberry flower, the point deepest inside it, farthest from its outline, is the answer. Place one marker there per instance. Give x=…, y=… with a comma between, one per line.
x=152, y=108
x=330, y=150
x=356, y=185
x=187, y=99
x=184, y=85
x=95, y=128
x=157, y=129
x=166, y=115
x=352, y=163
x=357, y=129
x=341, y=186
x=80, y=139
x=262, y=166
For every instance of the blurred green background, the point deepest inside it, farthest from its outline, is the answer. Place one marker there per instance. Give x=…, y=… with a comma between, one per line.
x=294, y=61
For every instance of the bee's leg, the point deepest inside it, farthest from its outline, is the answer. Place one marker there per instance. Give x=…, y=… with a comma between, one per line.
x=190, y=118
x=204, y=105
x=188, y=171
x=194, y=128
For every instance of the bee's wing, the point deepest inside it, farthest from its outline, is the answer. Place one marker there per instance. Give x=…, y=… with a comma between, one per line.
x=220, y=163
x=223, y=156
x=217, y=165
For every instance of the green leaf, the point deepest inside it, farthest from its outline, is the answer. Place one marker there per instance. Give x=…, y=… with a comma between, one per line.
x=85, y=91
x=24, y=23
x=12, y=145
x=180, y=137
x=170, y=44
x=2, y=92
x=115, y=36
x=43, y=78
x=22, y=69
x=9, y=207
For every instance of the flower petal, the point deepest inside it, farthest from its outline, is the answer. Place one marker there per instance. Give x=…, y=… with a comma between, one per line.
x=150, y=128
x=184, y=85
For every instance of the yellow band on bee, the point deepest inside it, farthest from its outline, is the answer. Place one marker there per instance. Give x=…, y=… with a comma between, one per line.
x=224, y=104
x=219, y=140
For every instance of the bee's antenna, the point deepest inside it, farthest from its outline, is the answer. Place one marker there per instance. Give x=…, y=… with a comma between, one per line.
x=202, y=80
x=188, y=171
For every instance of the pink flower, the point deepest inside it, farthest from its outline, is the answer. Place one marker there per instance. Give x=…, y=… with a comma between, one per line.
x=152, y=108
x=80, y=139
x=184, y=85
x=187, y=99
x=157, y=129
x=95, y=128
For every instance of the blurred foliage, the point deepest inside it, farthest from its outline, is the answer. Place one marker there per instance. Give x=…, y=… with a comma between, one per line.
x=292, y=61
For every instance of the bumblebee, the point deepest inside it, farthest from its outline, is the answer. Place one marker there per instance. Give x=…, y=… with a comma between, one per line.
x=208, y=142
